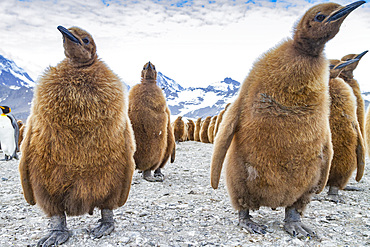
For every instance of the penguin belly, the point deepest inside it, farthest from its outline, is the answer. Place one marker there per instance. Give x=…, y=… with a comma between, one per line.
x=7, y=136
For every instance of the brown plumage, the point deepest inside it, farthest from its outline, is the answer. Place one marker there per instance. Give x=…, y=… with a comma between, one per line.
x=203, y=134
x=211, y=129
x=190, y=126
x=348, y=144
x=219, y=119
x=347, y=76
x=78, y=149
x=198, y=124
x=150, y=118
x=276, y=134
x=178, y=129
x=21, y=135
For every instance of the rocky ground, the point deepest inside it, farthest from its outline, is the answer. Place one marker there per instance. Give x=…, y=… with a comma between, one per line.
x=185, y=211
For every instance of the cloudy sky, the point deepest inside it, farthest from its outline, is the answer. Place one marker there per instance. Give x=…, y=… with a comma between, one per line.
x=194, y=42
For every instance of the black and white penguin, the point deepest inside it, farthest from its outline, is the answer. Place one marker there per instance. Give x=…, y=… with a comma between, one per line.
x=9, y=133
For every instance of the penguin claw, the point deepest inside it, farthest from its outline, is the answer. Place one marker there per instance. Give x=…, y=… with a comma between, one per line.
x=252, y=227
x=54, y=238
x=297, y=229
x=335, y=199
x=103, y=229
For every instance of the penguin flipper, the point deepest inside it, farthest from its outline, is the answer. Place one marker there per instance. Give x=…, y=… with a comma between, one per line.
x=327, y=156
x=23, y=168
x=16, y=133
x=222, y=143
x=360, y=153
x=130, y=149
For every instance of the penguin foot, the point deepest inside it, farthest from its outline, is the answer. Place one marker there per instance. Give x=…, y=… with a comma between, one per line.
x=106, y=225
x=147, y=175
x=54, y=238
x=294, y=226
x=246, y=223
x=353, y=188
x=335, y=198
x=158, y=175
x=58, y=232
x=333, y=195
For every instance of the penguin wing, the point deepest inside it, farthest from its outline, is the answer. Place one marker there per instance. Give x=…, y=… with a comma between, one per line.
x=23, y=166
x=130, y=149
x=222, y=143
x=360, y=153
x=16, y=132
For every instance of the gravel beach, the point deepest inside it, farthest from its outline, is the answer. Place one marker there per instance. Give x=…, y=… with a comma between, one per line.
x=184, y=210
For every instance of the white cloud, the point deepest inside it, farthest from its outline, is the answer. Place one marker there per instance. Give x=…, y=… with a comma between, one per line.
x=193, y=45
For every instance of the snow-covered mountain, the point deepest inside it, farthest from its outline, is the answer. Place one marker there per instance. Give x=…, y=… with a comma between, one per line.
x=16, y=88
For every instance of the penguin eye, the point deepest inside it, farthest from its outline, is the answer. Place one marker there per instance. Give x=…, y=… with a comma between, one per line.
x=320, y=17
x=86, y=41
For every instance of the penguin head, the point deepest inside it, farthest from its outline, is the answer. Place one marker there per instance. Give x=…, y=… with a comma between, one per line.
x=149, y=73
x=337, y=66
x=5, y=109
x=79, y=46
x=348, y=70
x=320, y=24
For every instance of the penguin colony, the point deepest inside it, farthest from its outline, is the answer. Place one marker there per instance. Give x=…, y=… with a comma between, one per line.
x=83, y=141
x=78, y=149
x=276, y=134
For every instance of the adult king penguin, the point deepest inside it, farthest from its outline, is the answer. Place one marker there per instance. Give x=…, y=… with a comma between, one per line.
x=9, y=133
x=78, y=149
x=276, y=133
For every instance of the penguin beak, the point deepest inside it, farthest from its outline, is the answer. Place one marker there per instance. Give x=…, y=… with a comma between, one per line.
x=359, y=56
x=149, y=65
x=2, y=107
x=346, y=63
x=68, y=34
x=344, y=11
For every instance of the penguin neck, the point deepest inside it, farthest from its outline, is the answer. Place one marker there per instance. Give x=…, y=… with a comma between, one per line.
x=309, y=47
x=149, y=81
x=3, y=114
x=347, y=75
x=79, y=64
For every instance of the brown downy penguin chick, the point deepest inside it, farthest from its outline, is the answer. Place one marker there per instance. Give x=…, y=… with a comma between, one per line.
x=348, y=144
x=276, y=134
x=211, y=129
x=150, y=118
x=178, y=129
x=203, y=134
x=198, y=124
x=190, y=126
x=347, y=76
x=78, y=149
x=219, y=119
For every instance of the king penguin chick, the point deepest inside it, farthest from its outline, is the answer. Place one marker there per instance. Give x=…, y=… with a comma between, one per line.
x=9, y=133
x=178, y=129
x=348, y=144
x=219, y=119
x=211, y=129
x=198, y=125
x=78, y=149
x=276, y=134
x=190, y=126
x=347, y=76
x=203, y=134
x=150, y=119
